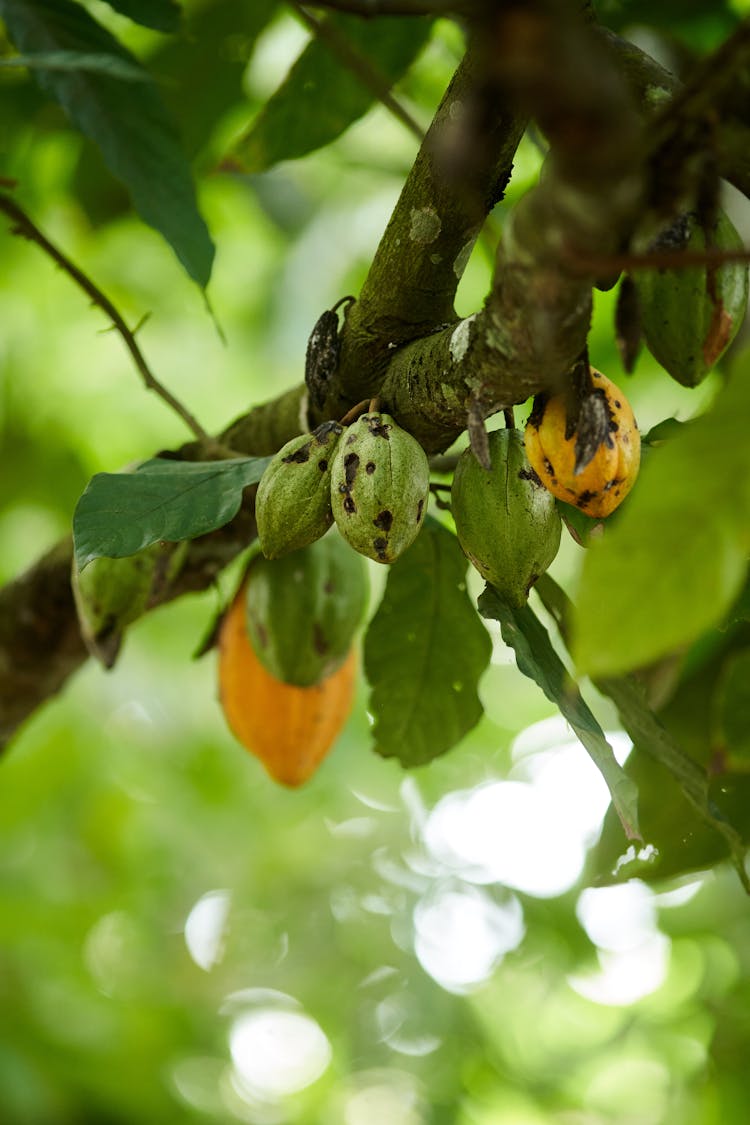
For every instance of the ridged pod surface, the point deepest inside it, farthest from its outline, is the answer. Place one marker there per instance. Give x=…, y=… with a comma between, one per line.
x=110, y=594
x=379, y=488
x=606, y=480
x=507, y=522
x=303, y=610
x=685, y=329
x=290, y=729
x=293, y=502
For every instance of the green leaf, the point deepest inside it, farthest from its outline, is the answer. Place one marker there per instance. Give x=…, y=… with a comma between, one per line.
x=537, y=659
x=732, y=707
x=128, y=122
x=321, y=96
x=425, y=651
x=677, y=558
x=79, y=60
x=161, y=15
x=201, y=70
x=121, y=513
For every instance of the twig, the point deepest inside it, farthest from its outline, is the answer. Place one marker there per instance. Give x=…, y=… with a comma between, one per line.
x=659, y=259
x=24, y=227
x=369, y=75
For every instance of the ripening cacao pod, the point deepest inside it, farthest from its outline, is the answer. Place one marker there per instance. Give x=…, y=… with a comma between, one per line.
x=506, y=521
x=290, y=729
x=293, y=502
x=303, y=610
x=379, y=488
x=685, y=324
x=606, y=479
x=110, y=594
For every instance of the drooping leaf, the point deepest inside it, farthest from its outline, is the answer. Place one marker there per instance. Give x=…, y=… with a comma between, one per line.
x=127, y=121
x=121, y=513
x=688, y=819
x=79, y=60
x=676, y=559
x=537, y=659
x=425, y=651
x=161, y=15
x=322, y=95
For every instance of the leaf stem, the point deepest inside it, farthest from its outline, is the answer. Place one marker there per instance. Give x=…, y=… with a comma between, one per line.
x=26, y=228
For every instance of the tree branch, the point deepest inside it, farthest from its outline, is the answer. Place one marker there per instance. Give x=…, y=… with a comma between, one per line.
x=23, y=226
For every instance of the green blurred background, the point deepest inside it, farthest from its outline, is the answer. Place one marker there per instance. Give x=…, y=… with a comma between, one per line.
x=183, y=941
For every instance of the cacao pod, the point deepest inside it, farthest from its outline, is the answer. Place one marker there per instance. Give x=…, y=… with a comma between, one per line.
x=608, y=477
x=110, y=594
x=290, y=729
x=380, y=487
x=507, y=523
x=293, y=502
x=304, y=609
x=685, y=326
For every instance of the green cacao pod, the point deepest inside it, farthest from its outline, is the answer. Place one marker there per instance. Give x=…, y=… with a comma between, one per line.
x=506, y=520
x=304, y=609
x=293, y=502
x=111, y=593
x=379, y=488
x=685, y=327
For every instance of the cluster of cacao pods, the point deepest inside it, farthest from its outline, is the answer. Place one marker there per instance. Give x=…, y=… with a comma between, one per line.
x=372, y=478
x=286, y=657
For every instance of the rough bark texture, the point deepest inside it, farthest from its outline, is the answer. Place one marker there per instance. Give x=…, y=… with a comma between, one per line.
x=594, y=97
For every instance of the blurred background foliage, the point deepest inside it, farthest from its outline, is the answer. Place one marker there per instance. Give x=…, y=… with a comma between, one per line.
x=182, y=941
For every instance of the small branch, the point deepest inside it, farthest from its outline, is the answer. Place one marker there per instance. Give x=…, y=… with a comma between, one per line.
x=370, y=77
x=23, y=226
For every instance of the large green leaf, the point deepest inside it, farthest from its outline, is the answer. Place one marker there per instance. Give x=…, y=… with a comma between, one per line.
x=121, y=513
x=202, y=69
x=424, y=652
x=127, y=121
x=161, y=15
x=322, y=96
x=676, y=560
x=537, y=659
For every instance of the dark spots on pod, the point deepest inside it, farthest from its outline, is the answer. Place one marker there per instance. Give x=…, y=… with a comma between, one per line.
x=320, y=644
x=384, y=520
x=299, y=457
x=530, y=476
x=326, y=431
x=370, y=468
x=351, y=439
x=377, y=427
x=420, y=509
x=381, y=547
x=585, y=498
x=329, y=586
x=618, y=404
x=351, y=464
x=611, y=484
x=549, y=467
x=323, y=465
